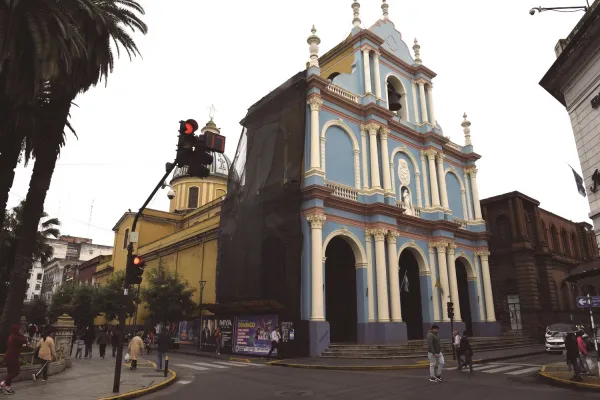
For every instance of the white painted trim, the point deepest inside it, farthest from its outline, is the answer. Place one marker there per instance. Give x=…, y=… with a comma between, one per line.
x=360, y=256
x=471, y=271
x=422, y=262
x=404, y=115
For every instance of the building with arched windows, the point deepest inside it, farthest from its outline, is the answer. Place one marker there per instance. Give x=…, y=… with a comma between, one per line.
x=533, y=255
x=386, y=208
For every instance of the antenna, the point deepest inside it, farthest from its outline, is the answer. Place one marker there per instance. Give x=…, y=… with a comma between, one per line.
x=87, y=235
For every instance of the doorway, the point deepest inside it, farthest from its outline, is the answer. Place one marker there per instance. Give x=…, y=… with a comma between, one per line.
x=340, y=291
x=410, y=295
x=464, y=301
x=514, y=312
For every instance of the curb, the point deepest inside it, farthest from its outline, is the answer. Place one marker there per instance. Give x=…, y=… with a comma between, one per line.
x=283, y=363
x=565, y=382
x=141, y=392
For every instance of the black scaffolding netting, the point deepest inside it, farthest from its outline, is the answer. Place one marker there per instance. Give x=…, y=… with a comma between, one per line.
x=260, y=242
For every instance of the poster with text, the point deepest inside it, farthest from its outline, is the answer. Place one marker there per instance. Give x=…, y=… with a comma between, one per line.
x=186, y=332
x=226, y=327
x=207, y=334
x=253, y=334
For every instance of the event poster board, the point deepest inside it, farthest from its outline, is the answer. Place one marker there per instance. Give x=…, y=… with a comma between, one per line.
x=186, y=332
x=226, y=326
x=253, y=334
x=207, y=334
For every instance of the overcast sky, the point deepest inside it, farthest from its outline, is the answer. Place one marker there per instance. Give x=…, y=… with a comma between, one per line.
x=489, y=57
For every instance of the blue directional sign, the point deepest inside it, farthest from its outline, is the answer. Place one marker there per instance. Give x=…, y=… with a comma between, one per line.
x=582, y=301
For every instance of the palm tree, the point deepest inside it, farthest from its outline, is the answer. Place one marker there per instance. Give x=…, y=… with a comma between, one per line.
x=9, y=237
x=98, y=25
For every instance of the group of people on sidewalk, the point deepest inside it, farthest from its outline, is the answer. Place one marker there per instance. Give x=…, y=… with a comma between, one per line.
x=576, y=355
x=84, y=339
x=462, y=347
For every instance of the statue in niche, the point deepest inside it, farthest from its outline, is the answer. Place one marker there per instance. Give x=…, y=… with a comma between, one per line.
x=403, y=172
x=407, y=201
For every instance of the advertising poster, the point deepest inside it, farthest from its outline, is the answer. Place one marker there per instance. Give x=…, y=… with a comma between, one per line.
x=253, y=334
x=226, y=326
x=207, y=334
x=186, y=332
x=287, y=331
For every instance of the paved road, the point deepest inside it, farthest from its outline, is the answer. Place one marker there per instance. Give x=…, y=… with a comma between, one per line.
x=205, y=378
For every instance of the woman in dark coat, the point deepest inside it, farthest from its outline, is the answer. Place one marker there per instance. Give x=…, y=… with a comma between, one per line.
x=15, y=344
x=572, y=351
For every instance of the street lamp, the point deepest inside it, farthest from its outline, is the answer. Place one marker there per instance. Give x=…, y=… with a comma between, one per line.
x=202, y=284
x=560, y=9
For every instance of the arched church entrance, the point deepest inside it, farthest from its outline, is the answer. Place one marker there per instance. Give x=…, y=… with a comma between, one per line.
x=410, y=294
x=464, y=299
x=340, y=291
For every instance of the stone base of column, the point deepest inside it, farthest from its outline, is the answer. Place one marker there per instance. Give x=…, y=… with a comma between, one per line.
x=314, y=171
x=389, y=332
x=487, y=329
x=318, y=337
x=477, y=222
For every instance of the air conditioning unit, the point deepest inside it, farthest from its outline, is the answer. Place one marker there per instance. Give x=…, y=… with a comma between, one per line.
x=560, y=46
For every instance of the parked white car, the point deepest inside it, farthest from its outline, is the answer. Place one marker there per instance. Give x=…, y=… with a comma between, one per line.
x=556, y=334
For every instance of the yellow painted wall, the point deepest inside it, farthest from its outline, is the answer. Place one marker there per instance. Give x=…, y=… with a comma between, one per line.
x=342, y=64
x=209, y=189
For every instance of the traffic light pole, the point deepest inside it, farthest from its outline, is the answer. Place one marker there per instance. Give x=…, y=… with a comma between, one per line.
x=122, y=314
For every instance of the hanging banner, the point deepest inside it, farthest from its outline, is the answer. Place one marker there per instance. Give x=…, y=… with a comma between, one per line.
x=253, y=334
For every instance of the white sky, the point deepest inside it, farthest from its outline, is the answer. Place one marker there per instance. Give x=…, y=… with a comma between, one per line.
x=489, y=57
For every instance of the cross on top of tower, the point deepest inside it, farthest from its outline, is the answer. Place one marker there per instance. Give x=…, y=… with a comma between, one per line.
x=212, y=111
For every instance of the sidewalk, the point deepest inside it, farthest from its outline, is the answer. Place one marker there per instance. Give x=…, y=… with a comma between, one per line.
x=93, y=380
x=558, y=374
x=402, y=363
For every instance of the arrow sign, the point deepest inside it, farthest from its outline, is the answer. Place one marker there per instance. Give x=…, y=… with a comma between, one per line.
x=582, y=301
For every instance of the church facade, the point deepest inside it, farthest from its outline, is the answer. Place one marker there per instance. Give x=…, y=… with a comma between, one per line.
x=392, y=223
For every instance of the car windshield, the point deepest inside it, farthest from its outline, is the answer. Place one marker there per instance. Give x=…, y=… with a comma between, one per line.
x=562, y=328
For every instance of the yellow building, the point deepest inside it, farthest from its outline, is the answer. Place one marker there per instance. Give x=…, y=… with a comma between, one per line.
x=184, y=239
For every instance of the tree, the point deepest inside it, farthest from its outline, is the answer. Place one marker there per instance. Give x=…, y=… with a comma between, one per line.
x=36, y=311
x=62, y=300
x=81, y=301
x=167, y=297
x=112, y=299
x=98, y=23
x=9, y=235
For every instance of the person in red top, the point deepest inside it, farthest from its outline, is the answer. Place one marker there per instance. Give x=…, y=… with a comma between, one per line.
x=15, y=344
x=582, y=353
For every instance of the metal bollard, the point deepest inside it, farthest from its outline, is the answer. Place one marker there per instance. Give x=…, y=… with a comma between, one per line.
x=166, y=365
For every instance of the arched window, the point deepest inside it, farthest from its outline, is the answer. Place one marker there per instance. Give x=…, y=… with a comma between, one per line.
x=397, y=97
x=554, y=234
x=545, y=233
x=565, y=242
x=126, y=238
x=574, y=245
x=193, y=197
x=503, y=228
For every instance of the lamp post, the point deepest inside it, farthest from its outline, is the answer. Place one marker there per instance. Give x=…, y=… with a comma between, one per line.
x=560, y=9
x=202, y=284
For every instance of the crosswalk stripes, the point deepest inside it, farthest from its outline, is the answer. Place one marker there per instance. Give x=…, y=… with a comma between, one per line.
x=216, y=365
x=506, y=369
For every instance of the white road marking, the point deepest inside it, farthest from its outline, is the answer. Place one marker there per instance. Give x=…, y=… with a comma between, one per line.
x=485, y=366
x=210, y=365
x=192, y=367
x=501, y=369
x=183, y=382
x=237, y=364
x=524, y=371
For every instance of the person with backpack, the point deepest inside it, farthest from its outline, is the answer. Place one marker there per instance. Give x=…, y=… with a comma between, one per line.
x=15, y=344
x=46, y=350
x=465, y=350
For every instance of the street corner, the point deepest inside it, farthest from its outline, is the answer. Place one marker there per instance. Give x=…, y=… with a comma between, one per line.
x=559, y=375
x=153, y=387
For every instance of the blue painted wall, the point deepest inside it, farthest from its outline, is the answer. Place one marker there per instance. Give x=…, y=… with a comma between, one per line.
x=475, y=317
x=454, y=196
x=339, y=156
x=393, y=40
x=426, y=299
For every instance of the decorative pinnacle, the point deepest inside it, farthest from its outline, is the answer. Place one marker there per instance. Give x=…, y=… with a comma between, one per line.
x=417, y=50
x=356, y=7
x=313, y=41
x=466, y=124
x=385, y=6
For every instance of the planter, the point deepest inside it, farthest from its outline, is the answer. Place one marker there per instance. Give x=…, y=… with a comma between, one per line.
x=54, y=368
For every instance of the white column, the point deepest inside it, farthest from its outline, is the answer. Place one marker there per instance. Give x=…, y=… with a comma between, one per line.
x=435, y=294
x=476, y=204
x=317, y=289
x=487, y=287
x=394, y=278
x=469, y=212
x=435, y=193
x=463, y=199
x=357, y=169
x=480, y=296
x=363, y=143
x=377, y=76
x=441, y=249
x=415, y=105
x=418, y=183
x=442, y=178
x=375, y=182
x=315, y=105
x=424, y=118
x=431, y=109
x=453, y=281
x=383, y=312
x=370, y=293
x=385, y=160
x=425, y=183
x=367, y=68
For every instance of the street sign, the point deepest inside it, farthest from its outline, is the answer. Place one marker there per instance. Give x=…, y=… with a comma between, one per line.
x=582, y=301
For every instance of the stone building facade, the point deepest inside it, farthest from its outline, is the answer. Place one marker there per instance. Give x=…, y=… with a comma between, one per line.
x=532, y=252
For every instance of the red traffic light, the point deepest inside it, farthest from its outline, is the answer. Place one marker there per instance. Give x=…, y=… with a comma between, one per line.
x=137, y=260
x=188, y=127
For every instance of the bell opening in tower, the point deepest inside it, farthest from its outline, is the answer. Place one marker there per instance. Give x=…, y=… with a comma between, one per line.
x=396, y=97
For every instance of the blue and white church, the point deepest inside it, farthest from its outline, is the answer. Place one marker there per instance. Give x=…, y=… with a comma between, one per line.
x=392, y=224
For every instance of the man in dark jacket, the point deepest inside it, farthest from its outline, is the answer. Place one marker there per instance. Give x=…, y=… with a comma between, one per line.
x=164, y=345
x=114, y=339
x=573, y=355
x=434, y=353
x=465, y=350
x=89, y=341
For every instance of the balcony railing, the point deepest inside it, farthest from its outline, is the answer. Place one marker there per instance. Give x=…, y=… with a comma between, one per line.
x=342, y=92
x=343, y=191
x=460, y=222
x=417, y=210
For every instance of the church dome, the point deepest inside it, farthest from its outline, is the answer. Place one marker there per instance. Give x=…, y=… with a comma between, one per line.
x=219, y=167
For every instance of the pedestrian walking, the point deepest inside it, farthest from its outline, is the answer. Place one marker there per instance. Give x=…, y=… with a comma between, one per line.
x=163, y=347
x=456, y=346
x=102, y=342
x=434, y=353
x=46, y=352
x=465, y=350
x=218, y=337
x=114, y=340
x=89, y=341
x=275, y=338
x=73, y=340
x=136, y=349
x=79, y=343
x=572, y=353
x=14, y=345
x=583, y=361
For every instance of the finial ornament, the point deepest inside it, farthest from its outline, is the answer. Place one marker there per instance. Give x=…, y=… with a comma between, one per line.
x=313, y=41
x=385, y=6
x=417, y=50
x=466, y=124
x=356, y=7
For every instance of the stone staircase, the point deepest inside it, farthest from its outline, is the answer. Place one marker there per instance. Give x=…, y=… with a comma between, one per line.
x=418, y=348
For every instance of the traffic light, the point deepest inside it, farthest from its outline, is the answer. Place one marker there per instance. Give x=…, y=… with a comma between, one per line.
x=450, y=309
x=135, y=270
x=201, y=160
x=187, y=140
